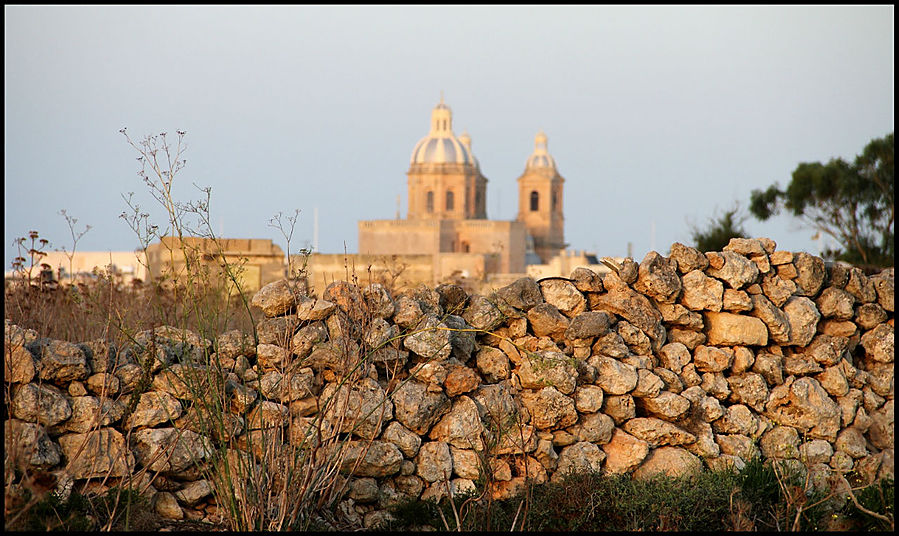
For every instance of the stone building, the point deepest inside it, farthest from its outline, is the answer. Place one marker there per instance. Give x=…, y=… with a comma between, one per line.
x=446, y=232
x=258, y=261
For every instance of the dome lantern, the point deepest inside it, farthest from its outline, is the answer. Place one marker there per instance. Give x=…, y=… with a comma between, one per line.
x=441, y=146
x=540, y=158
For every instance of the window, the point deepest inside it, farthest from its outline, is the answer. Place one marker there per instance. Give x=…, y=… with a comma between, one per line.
x=430, y=202
x=450, y=200
x=555, y=201
x=466, y=247
x=535, y=201
x=477, y=200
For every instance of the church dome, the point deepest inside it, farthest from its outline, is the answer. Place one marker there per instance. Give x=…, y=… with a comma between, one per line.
x=441, y=146
x=541, y=159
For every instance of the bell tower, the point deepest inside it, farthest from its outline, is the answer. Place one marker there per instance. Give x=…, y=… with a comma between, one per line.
x=540, y=201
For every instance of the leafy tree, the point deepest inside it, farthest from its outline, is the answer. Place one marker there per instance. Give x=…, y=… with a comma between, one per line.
x=719, y=231
x=854, y=203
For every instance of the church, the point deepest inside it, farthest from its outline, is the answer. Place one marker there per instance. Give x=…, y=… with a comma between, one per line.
x=446, y=233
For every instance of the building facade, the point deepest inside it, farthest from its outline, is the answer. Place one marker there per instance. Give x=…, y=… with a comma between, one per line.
x=446, y=232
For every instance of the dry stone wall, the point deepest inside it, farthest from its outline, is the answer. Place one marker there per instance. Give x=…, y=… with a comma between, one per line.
x=674, y=365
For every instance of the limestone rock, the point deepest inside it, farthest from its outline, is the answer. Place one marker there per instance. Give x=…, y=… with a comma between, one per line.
x=868, y=315
x=673, y=356
x=860, y=286
x=815, y=451
x=624, y=452
x=267, y=414
x=29, y=443
x=276, y=298
x=581, y=457
x=43, y=404
x=811, y=273
x=882, y=429
x=884, y=286
x=170, y=449
x=687, y=258
x=633, y=307
x=461, y=427
x=852, y=442
x=738, y=445
x=657, y=432
x=434, y=462
x=648, y=384
x=593, y=427
x=620, y=408
x=667, y=406
x=803, y=317
x=549, y=408
x=540, y=369
x=288, y=387
x=418, y=409
x=728, y=329
x=615, y=377
x=737, y=271
x=749, y=388
x=234, y=343
x=98, y=453
x=466, y=463
x=460, y=379
x=166, y=505
x=670, y=461
x=836, y=303
x=493, y=364
x=547, y=321
x=193, y=492
x=481, y=313
x=586, y=280
x=154, y=407
x=702, y=292
x=657, y=278
x=407, y=441
x=60, y=361
x=360, y=408
x=90, y=412
x=430, y=339
x=878, y=344
x=781, y=442
x=611, y=345
x=563, y=295
x=776, y=320
x=19, y=364
x=806, y=406
x=737, y=419
x=588, y=324
x=736, y=301
x=712, y=359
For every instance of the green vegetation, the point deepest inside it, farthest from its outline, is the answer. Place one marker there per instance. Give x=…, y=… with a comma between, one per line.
x=852, y=202
x=117, y=510
x=757, y=498
x=719, y=231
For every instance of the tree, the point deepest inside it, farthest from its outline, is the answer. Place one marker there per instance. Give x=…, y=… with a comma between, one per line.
x=854, y=203
x=719, y=231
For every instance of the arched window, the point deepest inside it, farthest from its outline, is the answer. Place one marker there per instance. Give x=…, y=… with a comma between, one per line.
x=535, y=201
x=477, y=200
x=430, y=202
x=466, y=247
x=555, y=198
x=450, y=200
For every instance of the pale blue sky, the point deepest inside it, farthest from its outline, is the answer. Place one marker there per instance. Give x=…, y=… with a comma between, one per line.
x=656, y=116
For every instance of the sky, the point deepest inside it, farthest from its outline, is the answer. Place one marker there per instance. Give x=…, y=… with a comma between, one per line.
x=658, y=117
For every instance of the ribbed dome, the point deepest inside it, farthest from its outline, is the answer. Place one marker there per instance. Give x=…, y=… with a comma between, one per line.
x=541, y=159
x=441, y=146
